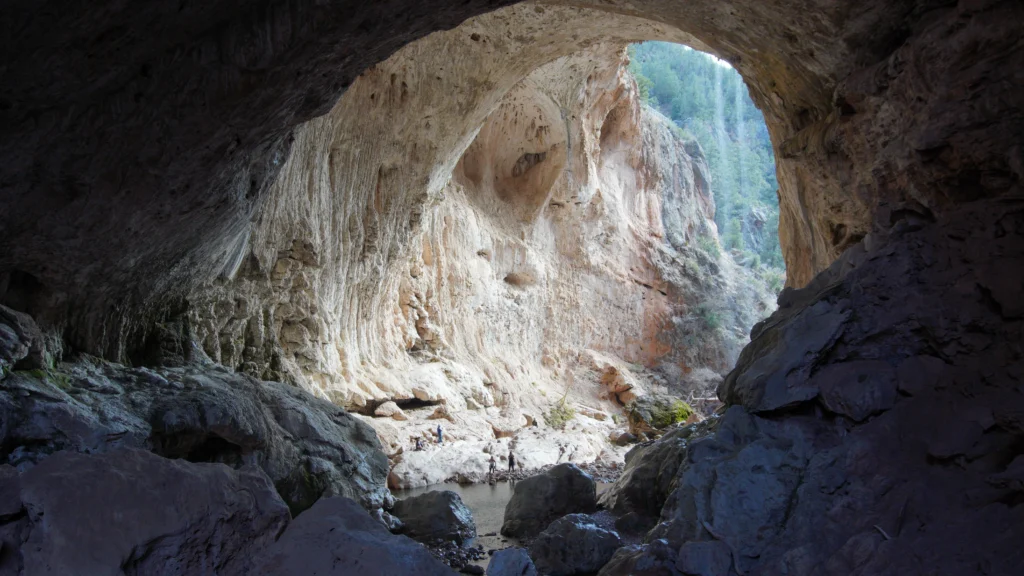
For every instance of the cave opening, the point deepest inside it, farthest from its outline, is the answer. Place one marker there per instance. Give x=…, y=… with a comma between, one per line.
x=491, y=215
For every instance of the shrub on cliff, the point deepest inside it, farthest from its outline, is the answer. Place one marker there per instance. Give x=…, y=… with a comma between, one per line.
x=559, y=415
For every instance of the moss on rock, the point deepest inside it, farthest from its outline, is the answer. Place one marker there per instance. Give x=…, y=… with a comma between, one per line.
x=656, y=412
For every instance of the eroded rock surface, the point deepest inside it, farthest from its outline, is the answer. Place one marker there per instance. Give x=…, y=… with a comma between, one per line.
x=573, y=545
x=651, y=472
x=887, y=442
x=436, y=516
x=540, y=499
x=308, y=447
x=132, y=512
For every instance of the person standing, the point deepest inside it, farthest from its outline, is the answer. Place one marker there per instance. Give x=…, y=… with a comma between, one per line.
x=494, y=464
x=511, y=462
x=440, y=435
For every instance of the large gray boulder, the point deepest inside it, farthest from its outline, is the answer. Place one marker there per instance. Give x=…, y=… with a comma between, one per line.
x=651, y=471
x=573, y=545
x=131, y=512
x=308, y=447
x=540, y=499
x=511, y=562
x=436, y=516
x=336, y=537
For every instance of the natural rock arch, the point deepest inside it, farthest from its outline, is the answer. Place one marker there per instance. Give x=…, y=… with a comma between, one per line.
x=133, y=168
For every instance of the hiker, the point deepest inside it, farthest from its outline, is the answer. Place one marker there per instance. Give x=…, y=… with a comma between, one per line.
x=511, y=462
x=440, y=435
x=494, y=464
x=419, y=444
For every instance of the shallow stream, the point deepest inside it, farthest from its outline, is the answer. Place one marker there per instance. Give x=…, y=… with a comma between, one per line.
x=487, y=503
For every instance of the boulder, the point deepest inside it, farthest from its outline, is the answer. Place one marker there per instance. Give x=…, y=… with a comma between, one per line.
x=573, y=545
x=652, y=471
x=390, y=410
x=337, y=537
x=436, y=516
x=307, y=446
x=511, y=562
x=656, y=412
x=132, y=512
x=540, y=499
x=621, y=437
x=655, y=559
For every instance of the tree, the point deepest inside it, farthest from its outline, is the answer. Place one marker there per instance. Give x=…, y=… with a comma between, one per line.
x=709, y=99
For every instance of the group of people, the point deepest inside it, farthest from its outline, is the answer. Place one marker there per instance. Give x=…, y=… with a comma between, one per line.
x=440, y=438
x=511, y=463
x=493, y=461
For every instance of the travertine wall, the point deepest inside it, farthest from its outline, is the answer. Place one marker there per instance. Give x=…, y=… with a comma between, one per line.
x=562, y=240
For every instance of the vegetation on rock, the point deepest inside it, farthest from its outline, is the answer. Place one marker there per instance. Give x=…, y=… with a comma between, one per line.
x=709, y=102
x=656, y=412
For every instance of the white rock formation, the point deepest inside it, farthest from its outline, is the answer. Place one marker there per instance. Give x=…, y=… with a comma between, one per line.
x=552, y=254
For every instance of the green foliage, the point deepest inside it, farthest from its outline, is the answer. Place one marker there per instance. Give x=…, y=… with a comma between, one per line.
x=709, y=245
x=657, y=413
x=776, y=280
x=51, y=375
x=709, y=316
x=559, y=415
x=710, y=102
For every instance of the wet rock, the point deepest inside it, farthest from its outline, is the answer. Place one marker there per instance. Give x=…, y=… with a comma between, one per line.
x=308, y=447
x=472, y=569
x=540, y=499
x=132, y=512
x=511, y=562
x=338, y=537
x=573, y=545
x=435, y=516
x=654, y=412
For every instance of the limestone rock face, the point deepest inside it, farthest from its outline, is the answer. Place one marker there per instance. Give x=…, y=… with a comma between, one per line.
x=435, y=516
x=540, y=499
x=573, y=545
x=336, y=537
x=132, y=512
x=307, y=447
x=560, y=258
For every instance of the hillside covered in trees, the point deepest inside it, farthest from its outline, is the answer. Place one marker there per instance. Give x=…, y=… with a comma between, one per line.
x=708, y=100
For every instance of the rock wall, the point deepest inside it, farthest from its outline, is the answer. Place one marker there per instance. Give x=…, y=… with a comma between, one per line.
x=570, y=253
x=868, y=434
